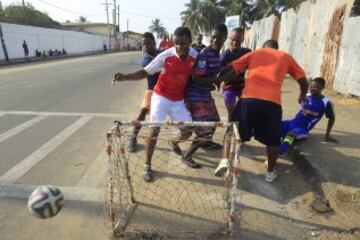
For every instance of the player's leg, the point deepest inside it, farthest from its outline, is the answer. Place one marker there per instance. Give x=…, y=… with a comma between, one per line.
x=149, y=151
x=294, y=134
x=144, y=110
x=159, y=109
x=229, y=100
x=267, y=130
x=203, y=134
x=212, y=115
x=244, y=117
x=179, y=113
x=225, y=161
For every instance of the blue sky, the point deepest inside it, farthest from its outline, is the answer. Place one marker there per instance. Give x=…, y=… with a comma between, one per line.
x=139, y=12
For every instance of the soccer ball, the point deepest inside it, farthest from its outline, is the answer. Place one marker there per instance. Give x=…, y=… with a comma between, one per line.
x=45, y=202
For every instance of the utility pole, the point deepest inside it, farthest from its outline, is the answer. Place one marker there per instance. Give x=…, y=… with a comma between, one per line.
x=114, y=23
x=118, y=12
x=23, y=3
x=3, y=45
x=128, y=35
x=107, y=18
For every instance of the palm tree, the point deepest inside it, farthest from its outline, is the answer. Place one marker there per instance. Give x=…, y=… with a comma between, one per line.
x=192, y=17
x=82, y=19
x=264, y=8
x=237, y=7
x=213, y=13
x=288, y=4
x=157, y=27
x=355, y=11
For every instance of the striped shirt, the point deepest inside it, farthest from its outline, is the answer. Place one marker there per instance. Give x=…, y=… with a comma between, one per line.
x=207, y=65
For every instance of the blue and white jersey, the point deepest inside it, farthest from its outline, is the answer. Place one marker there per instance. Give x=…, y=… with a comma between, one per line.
x=312, y=111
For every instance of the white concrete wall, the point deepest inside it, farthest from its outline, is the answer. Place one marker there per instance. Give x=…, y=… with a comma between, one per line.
x=347, y=77
x=260, y=32
x=303, y=34
x=45, y=39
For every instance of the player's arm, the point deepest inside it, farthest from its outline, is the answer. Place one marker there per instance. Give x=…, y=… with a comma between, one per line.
x=232, y=70
x=200, y=71
x=135, y=76
x=330, y=114
x=153, y=67
x=299, y=74
x=304, y=88
x=205, y=80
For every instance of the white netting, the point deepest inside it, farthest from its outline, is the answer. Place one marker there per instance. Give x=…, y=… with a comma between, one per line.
x=181, y=202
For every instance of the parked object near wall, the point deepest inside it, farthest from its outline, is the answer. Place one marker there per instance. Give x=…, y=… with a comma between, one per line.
x=45, y=39
x=323, y=38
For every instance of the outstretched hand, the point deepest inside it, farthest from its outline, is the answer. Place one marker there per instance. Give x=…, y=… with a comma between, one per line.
x=118, y=77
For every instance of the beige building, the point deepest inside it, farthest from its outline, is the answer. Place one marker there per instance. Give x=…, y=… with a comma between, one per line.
x=123, y=40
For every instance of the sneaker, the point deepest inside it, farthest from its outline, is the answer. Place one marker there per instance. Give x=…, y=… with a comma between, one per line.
x=210, y=145
x=175, y=149
x=132, y=144
x=148, y=174
x=222, y=168
x=191, y=163
x=270, y=176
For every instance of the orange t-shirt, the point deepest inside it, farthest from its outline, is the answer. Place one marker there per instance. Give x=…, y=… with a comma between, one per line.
x=266, y=71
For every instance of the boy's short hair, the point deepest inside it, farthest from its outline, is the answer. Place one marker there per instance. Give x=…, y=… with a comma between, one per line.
x=239, y=30
x=271, y=44
x=319, y=80
x=183, y=31
x=149, y=35
x=221, y=27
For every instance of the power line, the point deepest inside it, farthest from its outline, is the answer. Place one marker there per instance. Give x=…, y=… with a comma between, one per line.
x=98, y=15
x=69, y=11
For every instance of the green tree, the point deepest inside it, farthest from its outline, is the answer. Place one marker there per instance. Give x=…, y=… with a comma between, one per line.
x=264, y=8
x=2, y=14
x=192, y=17
x=355, y=11
x=213, y=13
x=202, y=15
x=28, y=15
x=237, y=7
x=157, y=27
x=82, y=19
x=288, y=4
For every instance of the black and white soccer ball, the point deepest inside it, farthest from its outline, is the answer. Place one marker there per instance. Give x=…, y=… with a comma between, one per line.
x=45, y=202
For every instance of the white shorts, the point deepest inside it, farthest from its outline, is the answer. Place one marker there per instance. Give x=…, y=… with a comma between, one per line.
x=161, y=107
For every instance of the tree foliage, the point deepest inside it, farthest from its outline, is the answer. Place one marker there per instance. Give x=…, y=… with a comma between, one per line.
x=82, y=19
x=355, y=11
x=26, y=15
x=157, y=27
x=202, y=15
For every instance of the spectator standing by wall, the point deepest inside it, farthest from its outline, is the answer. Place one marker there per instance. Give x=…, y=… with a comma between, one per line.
x=26, y=50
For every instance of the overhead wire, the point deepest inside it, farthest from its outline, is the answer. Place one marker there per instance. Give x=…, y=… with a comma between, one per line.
x=98, y=15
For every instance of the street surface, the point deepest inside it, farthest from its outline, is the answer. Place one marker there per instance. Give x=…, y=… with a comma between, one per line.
x=53, y=121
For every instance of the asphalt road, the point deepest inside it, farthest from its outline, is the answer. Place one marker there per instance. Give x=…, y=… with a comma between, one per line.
x=53, y=120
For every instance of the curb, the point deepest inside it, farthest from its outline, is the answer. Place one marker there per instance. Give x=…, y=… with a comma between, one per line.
x=19, y=61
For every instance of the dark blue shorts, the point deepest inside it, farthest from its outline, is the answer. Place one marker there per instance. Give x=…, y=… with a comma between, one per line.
x=290, y=126
x=258, y=118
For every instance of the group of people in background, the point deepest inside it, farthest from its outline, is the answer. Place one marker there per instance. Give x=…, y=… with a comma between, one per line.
x=181, y=76
x=42, y=54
